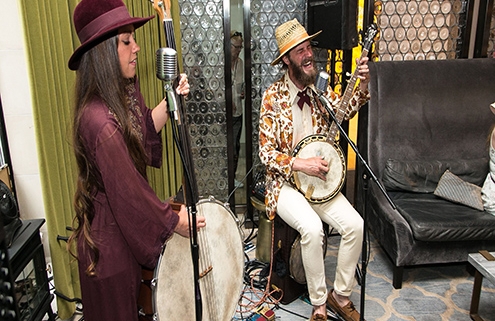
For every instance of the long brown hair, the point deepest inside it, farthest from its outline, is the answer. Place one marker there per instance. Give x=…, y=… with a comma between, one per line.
x=99, y=76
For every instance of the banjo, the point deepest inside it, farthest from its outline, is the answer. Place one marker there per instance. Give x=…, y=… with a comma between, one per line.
x=314, y=189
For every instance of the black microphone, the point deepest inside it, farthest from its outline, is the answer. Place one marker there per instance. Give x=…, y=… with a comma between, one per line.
x=166, y=70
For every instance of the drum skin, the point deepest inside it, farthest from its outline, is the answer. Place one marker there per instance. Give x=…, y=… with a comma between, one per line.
x=221, y=260
x=313, y=188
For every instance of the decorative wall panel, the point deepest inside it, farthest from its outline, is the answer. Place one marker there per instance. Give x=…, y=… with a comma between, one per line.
x=419, y=29
x=203, y=57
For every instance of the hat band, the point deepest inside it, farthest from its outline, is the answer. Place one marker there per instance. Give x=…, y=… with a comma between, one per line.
x=113, y=16
x=292, y=43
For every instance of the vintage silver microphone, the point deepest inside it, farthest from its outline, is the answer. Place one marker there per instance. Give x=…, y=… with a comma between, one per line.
x=321, y=85
x=166, y=70
x=321, y=82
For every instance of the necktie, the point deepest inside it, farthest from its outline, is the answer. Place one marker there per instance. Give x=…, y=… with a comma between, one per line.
x=303, y=98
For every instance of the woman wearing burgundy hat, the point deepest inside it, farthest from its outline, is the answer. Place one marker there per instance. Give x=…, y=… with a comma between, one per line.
x=121, y=224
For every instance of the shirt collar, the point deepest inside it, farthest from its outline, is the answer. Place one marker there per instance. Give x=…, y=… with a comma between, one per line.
x=293, y=90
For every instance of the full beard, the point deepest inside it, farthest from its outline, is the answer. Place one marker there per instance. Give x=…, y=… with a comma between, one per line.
x=302, y=77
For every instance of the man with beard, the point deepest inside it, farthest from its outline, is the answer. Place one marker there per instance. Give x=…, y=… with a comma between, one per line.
x=289, y=112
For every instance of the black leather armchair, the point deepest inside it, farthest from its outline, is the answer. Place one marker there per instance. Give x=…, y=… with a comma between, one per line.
x=425, y=117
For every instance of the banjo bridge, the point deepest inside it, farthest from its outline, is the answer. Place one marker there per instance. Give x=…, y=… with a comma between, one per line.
x=309, y=191
x=205, y=272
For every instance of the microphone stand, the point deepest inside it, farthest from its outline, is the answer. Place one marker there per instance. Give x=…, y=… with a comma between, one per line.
x=369, y=171
x=182, y=142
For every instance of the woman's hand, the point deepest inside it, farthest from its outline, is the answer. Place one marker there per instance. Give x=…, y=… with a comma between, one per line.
x=314, y=166
x=160, y=112
x=183, y=86
x=182, y=227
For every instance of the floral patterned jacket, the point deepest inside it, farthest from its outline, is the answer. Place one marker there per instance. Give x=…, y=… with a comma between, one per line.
x=276, y=133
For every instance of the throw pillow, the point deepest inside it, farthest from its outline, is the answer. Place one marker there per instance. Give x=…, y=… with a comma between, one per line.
x=422, y=176
x=454, y=189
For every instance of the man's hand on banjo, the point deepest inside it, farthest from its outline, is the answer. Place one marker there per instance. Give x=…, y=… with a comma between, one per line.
x=314, y=166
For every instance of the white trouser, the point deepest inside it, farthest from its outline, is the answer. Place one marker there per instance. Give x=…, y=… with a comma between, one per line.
x=306, y=218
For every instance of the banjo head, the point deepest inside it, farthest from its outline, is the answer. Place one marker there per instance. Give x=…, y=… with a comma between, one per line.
x=314, y=189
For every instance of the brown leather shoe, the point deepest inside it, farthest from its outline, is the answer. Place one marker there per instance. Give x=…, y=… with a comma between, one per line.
x=348, y=312
x=318, y=317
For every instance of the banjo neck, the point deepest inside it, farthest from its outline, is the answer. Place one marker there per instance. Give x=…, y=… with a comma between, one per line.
x=344, y=103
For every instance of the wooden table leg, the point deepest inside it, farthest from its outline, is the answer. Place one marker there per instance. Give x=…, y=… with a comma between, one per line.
x=475, y=299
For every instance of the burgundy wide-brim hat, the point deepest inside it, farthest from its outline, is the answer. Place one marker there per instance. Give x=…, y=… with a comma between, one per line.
x=98, y=20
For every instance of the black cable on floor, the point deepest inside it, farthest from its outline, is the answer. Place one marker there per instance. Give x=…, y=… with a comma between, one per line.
x=251, y=268
x=291, y=312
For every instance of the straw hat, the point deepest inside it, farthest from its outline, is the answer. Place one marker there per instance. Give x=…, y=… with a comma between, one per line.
x=289, y=35
x=96, y=21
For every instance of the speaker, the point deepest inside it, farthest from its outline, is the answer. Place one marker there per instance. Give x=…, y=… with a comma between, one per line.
x=337, y=19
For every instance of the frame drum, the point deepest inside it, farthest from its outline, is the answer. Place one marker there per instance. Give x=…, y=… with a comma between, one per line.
x=221, y=269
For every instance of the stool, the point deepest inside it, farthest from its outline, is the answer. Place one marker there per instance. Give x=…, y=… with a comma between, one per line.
x=284, y=240
x=284, y=237
x=264, y=238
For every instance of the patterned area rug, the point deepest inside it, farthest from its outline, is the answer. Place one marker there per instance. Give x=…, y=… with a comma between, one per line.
x=429, y=293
